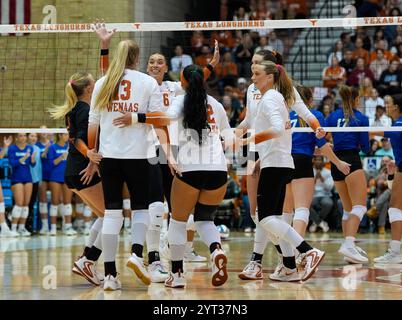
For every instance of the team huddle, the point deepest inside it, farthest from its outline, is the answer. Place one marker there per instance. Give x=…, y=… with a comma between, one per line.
x=167, y=141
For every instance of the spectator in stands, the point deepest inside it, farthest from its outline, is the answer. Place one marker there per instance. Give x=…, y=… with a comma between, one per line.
x=382, y=44
x=263, y=45
x=348, y=63
x=224, y=11
x=261, y=12
x=359, y=73
x=225, y=40
x=178, y=63
x=232, y=113
x=337, y=52
x=365, y=90
x=386, y=149
x=378, y=35
x=241, y=15
x=236, y=103
x=371, y=104
x=327, y=104
x=391, y=80
x=374, y=146
x=380, y=64
x=390, y=32
x=197, y=42
x=380, y=118
x=241, y=90
x=322, y=200
x=243, y=54
x=369, y=8
x=285, y=11
x=360, y=52
x=205, y=57
x=361, y=33
x=325, y=110
x=275, y=43
x=226, y=72
x=333, y=75
x=398, y=53
x=346, y=39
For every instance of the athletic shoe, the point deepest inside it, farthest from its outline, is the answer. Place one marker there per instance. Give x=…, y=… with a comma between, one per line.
x=86, y=231
x=279, y=265
x=44, y=231
x=389, y=257
x=312, y=228
x=7, y=233
x=219, y=272
x=286, y=275
x=157, y=272
x=253, y=271
x=69, y=231
x=53, y=232
x=310, y=260
x=353, y=254
x=87, y=269
x=175, y=280
x=324, y=226
x=137, y=265
x=192, y=256
x=24, y=232
x=111, y=283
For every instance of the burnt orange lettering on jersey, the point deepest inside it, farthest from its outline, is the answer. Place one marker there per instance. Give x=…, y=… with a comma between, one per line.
x=257, y=96
x=126, y=84
x=166, y=99
x=210, y=113
x=119, y=106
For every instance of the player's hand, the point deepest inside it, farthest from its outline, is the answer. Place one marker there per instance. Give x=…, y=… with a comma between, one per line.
x=123, y=121
x=320, y=133
x=94, y=156
x=89, y=172
x=103, y=34
x=391, y=167
x=7, y=141
x=33, y=157
x=343, y=167
x=174, y=167
x=217, y=56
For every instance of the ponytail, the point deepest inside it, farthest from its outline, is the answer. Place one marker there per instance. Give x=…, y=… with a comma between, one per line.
x=306, y=95
x=126, y=56
x=348, y=96
x=74, y=88
x=195, y=102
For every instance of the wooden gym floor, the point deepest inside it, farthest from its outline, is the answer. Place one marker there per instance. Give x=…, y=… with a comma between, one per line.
x=39, y=268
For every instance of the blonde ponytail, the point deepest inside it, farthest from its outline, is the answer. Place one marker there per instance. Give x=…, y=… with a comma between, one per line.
x=74, y=88
x=126, y=56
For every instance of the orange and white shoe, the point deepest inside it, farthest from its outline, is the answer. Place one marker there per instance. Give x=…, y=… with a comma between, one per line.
x=311, y=260
x=87, y=269
x=253, y=271
x=219, y=272
x=175, y=280
x=286, y=275
x=137, y=265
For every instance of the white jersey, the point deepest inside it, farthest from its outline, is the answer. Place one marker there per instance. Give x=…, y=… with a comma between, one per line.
x=273, y=114
x=140, y=93
x=209, y=155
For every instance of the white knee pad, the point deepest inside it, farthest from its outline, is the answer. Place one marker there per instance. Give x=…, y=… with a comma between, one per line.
x=2, y=207
x=126, y=204
x=394, y=214
x=53, y=210
x=67, y=210
x=43, y=208
x=87, y=212
x=24, y=212
x=140, y=216
x=190, y=223
x=112, y=222
x=345, y=215
x=16, y=213
x=156, y=210
x=97, y=225
x=177, y=232
x=359, y=211
x=276, y=226
x=302, y=214
x=79, y=208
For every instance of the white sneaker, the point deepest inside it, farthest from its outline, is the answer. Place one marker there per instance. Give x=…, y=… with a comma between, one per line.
x=86, y=231
x=310, y=261
x=192, y=256
x=7, y=233
x=219, y=272
x=69, y=231
x=137, y=265
x=157, y=272
x=389, y=257
x=324, y=226
x=286, y=275
x=279, y=265
x=87, y=269
x=53, y=232
x=253, y=271
x=313, y=228
x=175, y=280
x=111, y=283
x=43, y=231
x=24, y=232
x=352, y=254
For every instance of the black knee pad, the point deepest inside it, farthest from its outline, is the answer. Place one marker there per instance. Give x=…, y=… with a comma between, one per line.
x=204, y=212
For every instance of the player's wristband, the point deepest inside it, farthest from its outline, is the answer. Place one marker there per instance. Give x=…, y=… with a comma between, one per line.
x=138, y=118
x=104, y=52
x=210, y=67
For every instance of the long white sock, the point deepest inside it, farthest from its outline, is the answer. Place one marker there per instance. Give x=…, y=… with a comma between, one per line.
x=350, y=242
x=177, y=239
x=98, y=241
x=261, y=239
x=94, y=231
x=208, y=232
x=139, y=226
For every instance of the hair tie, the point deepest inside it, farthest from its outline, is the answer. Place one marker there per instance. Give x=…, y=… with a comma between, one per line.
x=279, y=67
x=71, y=82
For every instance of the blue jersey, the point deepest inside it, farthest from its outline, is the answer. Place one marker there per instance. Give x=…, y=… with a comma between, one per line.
x=396, y=141
x=46, y=164
x=349, y=140
x=21, y=172
x=57, y=172
x=303, y=142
